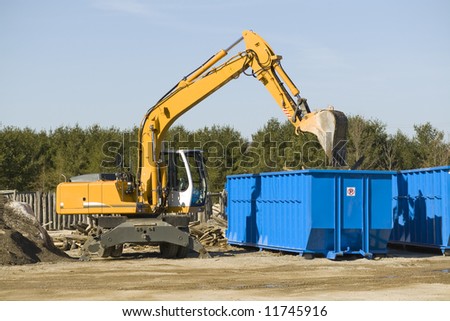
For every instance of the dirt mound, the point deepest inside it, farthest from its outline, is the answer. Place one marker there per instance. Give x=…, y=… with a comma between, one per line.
x=22, y=239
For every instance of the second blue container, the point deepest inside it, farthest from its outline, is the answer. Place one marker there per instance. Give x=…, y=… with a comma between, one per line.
x=327, y=212
x=421, y=208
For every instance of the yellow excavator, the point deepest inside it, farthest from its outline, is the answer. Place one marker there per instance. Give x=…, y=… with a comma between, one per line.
x=154, y=205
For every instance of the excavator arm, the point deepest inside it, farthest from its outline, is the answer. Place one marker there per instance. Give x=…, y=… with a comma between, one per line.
x=328, y=125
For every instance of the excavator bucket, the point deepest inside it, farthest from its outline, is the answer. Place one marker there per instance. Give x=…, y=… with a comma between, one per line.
x=330, y=127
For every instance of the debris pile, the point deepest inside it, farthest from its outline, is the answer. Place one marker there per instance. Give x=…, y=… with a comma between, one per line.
x=22, y=239
x=211, y=233
x=71, y=239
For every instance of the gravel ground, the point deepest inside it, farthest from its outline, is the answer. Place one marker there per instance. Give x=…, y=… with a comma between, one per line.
x=231, y=274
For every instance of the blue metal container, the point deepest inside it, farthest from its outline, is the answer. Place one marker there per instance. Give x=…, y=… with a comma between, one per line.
x=327, y=212
x=421, y=208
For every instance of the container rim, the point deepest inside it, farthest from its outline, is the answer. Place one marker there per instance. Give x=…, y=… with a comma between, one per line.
x=427, y=169
x=318, y=171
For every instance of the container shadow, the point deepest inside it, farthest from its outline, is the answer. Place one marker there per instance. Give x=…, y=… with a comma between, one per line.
x=411, y=251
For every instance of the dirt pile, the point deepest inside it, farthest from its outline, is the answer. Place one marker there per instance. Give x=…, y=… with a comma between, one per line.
x=22, y=239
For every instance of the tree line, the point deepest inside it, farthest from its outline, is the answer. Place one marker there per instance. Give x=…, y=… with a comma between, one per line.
x=33, y=160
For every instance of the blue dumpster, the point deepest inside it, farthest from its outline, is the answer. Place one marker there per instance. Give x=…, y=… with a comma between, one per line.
x=421, y=208
x=326, y=212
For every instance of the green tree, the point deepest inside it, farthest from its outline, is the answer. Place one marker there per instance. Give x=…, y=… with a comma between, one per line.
x=398, y=152
x=178, y=137
x=74, y=151
x=21, y=158
x=31, y=160
x=223, y=149
x=430, y=147
x=367, y=143
x=276, y=147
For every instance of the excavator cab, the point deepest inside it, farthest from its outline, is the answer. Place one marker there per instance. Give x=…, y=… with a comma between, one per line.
x=186, y=180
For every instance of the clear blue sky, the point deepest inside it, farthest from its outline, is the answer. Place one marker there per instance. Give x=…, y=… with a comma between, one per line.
x=106, y=62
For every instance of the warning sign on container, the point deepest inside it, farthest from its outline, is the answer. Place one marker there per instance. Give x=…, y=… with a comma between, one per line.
x=351, y=191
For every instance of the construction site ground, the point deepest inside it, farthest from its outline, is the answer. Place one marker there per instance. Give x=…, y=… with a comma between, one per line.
x=232, y=273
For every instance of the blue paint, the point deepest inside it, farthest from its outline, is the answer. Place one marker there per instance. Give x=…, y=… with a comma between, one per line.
x=327, y=212
x=421, y=208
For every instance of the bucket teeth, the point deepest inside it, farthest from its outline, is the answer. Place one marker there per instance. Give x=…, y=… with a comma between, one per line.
x=330, y=128
x=340, y=139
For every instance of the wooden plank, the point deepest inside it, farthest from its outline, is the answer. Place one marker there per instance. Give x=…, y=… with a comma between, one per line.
x=37, y=202
x=52, y=210
x=45, y=220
